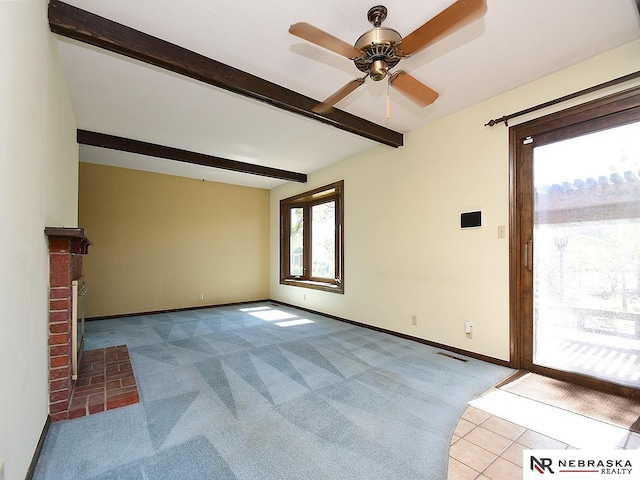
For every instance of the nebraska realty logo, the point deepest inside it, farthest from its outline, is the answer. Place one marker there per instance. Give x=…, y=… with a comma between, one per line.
x=579, y=464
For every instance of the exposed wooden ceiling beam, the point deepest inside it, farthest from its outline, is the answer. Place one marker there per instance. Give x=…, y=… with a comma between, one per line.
x=160, y=151
x=73, y=22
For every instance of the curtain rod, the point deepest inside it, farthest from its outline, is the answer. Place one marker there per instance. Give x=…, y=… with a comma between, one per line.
x=610, y=83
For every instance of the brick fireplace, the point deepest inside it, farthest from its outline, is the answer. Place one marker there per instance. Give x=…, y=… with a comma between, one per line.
x=66, y=248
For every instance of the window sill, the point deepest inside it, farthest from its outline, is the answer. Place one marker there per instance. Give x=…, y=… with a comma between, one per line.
x=327, y=287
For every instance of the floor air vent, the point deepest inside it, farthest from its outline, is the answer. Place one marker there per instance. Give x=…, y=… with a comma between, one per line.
x=453, y=356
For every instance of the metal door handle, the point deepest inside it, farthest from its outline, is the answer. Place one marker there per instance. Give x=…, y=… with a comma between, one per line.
x=528, y=255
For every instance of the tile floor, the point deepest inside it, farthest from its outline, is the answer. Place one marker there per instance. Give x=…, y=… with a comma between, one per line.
x=105, y=381
x=496, y=428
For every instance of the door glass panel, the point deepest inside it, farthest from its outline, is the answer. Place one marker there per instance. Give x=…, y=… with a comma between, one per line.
x=586, y=274
x=296, y=266
x=323, y=240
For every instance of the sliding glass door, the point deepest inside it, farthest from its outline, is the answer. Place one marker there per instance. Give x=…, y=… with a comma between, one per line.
x=576, y=248
x=586, y=266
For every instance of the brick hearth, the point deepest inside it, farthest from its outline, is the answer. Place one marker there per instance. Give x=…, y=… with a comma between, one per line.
x=105, y=381
x=105, y=377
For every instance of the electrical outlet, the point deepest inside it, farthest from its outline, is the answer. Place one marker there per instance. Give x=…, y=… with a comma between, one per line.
x=414, y=320
x=202, y=296
x=468, y=329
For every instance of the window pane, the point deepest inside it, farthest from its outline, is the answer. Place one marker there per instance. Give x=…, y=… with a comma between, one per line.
x=296, y=267
x=587, y=255
x=323, y=240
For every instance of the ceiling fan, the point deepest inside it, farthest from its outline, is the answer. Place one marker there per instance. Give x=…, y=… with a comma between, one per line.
x=380, y=49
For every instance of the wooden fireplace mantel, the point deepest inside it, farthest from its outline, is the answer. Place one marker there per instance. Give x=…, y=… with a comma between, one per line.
x=67, y=240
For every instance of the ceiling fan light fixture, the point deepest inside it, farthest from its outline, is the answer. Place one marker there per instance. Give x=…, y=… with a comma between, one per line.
x=378, y=70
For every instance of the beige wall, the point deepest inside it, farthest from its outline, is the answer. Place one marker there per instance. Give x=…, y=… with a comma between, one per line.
x=159, y=241
x=405, y=253
x=38, y=188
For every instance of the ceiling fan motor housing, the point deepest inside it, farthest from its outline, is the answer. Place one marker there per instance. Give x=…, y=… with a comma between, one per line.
x=379, y=53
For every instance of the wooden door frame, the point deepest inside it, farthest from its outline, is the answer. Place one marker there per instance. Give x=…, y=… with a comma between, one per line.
x=598, y=114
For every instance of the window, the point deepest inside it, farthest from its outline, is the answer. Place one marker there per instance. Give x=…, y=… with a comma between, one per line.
x=311, y=239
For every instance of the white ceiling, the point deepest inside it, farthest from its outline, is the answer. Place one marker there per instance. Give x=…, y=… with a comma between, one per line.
x=516, y=42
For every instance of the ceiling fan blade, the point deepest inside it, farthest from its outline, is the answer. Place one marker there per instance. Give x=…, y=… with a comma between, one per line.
x=413, y=89
x=329, y=102
x=323, y=39
x=452, y=18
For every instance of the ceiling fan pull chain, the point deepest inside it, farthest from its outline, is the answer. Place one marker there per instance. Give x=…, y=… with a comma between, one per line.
x=388, y=97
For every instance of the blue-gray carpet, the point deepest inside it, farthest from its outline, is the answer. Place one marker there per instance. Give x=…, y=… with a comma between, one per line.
x=262, y=391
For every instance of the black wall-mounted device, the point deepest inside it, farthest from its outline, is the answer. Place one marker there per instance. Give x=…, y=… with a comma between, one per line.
x=471, y=219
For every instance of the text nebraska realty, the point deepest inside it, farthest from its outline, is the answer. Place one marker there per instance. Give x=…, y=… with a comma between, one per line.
x=606, y=467
x=587, y=464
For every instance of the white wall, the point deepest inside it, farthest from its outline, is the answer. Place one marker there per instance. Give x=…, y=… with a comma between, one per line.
x=405, y=253
x=38, y=188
